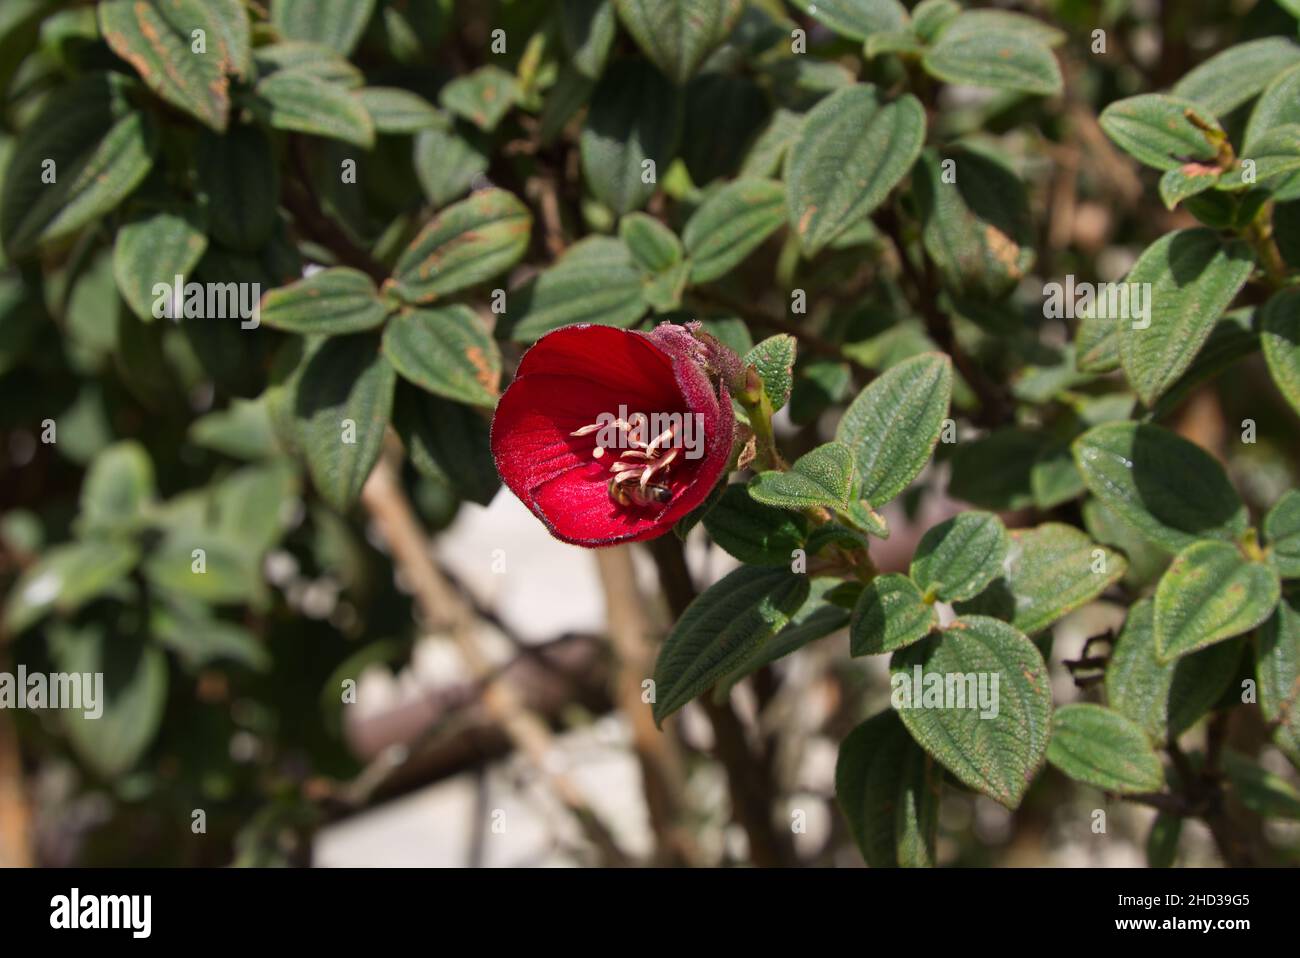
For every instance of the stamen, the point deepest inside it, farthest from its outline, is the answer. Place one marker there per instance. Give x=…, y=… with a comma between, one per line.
x=647, y=459
x=654, y=467
x=661, y=438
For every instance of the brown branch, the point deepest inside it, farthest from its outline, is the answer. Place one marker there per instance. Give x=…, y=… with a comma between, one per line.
x=994, y=409
x=662, y=777
x=713, y=299
x=442, y=608
x=300, y=199
x=749, y=778
x=15, y=810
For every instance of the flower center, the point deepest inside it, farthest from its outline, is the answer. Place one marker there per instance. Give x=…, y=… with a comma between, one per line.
x=639, y=474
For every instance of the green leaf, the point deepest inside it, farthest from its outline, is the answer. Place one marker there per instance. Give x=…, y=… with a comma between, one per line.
x=663, y=291
x=654, y=246
x=853, y=149
x=957, y=558
x=445, y=351
x=730, y=224
x=157, y=38
x=684, y=525
x=101, y=150
x=677, y=35
x=1096, y=343
x=977, y=230
x=1168, y=489
x=1230, y=78
x=930, y=17
x=239, y=174
x=1187, y=181
x=119, y=487
x=65, y=578
x=752, y=532
x=337, y=24
x=767, y=152
x=888, y=790
x=394, y=110
x=817, y=617
x=1098, y=747
x=1277, y=670
x=774, y=360
x=1001, y=59
x=595, y=281
x=1155, y=129
x=1278, y=105
x=1054, y=479
x=1209, y=593
x=1164, y=698
x=152, y=249
x=857, y=19
x=446, y=164
x=890, y=614
x=1193, y=277
x=483, y=97
x=974, y=22
x=1280, y=340
x=630, y=135
x=894, y=424
x=723, y=114
x=134, y=695
x=996, y=471
x=344, y=392
x=204, y=565
x=1146, y=562
x=252, y=504
x=1282, y=530
x=234, y=29
x=1232, y=339
x=570, y=93
x=1267, y=795
x=242, y=431
x=464, y=245
x=996, y=740
x=1273, y=154
x=199, y=639
x=822, y=477
x=1162, y=840
x=1050, y=571
x=720, y=629
x=587, y=30
x=301, y=103
x=313, y=59
x=447, y=441
x=333, y=301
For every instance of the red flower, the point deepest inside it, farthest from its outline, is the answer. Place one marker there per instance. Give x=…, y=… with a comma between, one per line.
x=612, y=436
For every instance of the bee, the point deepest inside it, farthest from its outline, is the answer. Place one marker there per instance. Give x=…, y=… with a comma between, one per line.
x=631, y=494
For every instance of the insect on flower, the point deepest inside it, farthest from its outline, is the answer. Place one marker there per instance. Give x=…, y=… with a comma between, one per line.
x=596, y=475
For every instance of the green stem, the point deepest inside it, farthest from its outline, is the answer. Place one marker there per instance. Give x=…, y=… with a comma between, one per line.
x=1260, y=236
x=759, y=408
